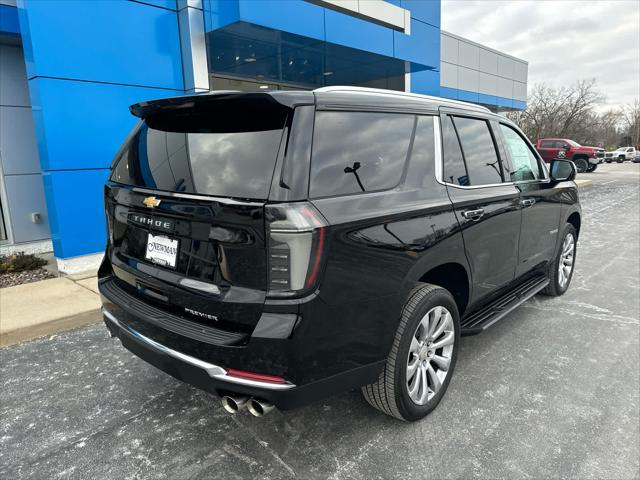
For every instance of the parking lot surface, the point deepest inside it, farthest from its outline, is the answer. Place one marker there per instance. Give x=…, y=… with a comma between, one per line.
x=552, y=390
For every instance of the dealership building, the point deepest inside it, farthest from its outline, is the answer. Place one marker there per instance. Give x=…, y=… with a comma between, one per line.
x=69, y=70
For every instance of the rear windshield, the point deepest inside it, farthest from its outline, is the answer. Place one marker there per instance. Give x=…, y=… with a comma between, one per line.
x=207, y=161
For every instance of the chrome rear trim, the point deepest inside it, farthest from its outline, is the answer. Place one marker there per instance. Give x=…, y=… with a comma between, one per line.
x=214, y=371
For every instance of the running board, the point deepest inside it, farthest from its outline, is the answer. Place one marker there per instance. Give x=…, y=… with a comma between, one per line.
x=500, y=307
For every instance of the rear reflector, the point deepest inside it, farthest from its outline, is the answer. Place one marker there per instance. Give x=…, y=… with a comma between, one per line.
x=259, y=377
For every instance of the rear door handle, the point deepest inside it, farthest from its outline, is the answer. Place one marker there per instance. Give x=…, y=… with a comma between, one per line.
x=473, y=214
x=527, y=202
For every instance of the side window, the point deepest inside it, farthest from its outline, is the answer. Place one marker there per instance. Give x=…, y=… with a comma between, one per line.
x=524, y=163
x=422, y=159
x=479, y=151
x=358, y=152
x=546, y=144
x=454, y=170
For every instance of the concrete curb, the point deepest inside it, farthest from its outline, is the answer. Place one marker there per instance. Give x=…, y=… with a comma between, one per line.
x=48, y=328
x=50, y=306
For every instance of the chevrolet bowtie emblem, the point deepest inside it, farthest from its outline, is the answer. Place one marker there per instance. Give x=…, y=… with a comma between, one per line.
x=151, y=202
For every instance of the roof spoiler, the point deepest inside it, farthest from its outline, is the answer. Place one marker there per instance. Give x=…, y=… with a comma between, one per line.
x=205, y=101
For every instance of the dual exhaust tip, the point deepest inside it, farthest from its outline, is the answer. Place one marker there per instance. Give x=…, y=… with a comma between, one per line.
x=257, y=407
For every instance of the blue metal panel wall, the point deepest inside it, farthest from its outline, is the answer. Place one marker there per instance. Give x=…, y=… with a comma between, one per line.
x=86, y=63
x=422, y=46
x=353, y=32
x=9, y=20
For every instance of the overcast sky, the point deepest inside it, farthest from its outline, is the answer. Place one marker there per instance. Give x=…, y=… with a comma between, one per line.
x=563, y=41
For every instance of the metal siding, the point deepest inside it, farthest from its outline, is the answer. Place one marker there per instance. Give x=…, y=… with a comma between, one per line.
x=294, y=16
x=425, y=11
x=505, y=66
x=467, y=96
x=220, y=13
x=468, y=55
x=13, y=77
x=426, y=82
x=353, y=32
x=488, y=61
x=9, y=20
x=487, y=84
x=520, y=71
x=449, y=49
x=467, y=79
x=18, y=141
x=168, y=4
x=26, y=195
x=505, y=88
x=448, y=75
x=519, y=91
x=447, y=92
x=82, y=124
x=487, y=99
x=504, y=102
x=384, y=12
x=108, y=41
x=422, y=46
x=77, y=221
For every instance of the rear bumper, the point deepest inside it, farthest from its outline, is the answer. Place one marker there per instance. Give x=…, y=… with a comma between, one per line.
x=204, y=365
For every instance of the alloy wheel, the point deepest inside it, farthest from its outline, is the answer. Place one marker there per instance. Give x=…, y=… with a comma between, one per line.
x=430, y=355
x=565, y=266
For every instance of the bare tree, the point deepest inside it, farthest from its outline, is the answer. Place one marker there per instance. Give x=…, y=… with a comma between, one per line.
x=558, y=112
x=630, y=115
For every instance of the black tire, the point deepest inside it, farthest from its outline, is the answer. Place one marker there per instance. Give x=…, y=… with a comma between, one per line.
x=592, y=167
x=581, y=164
x=620, y=159
x=390, y=393
x=555, y=288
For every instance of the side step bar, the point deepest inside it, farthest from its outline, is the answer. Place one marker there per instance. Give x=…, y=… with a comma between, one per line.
x=500, y=307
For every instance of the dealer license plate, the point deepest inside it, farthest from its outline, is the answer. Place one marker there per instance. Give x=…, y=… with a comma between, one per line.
x=162, y=250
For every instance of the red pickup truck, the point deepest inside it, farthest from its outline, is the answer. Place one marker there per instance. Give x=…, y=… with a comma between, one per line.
x=586, y=159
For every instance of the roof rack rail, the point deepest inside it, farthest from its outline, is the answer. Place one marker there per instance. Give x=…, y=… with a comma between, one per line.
x=380, y=91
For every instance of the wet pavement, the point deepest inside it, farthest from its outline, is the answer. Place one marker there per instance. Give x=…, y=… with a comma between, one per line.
x=552, y=390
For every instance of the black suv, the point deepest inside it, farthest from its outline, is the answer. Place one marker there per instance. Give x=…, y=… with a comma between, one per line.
x=279, y=247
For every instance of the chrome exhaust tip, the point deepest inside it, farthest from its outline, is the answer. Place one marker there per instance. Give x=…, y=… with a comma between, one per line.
x=234, y=404
x=259, y=408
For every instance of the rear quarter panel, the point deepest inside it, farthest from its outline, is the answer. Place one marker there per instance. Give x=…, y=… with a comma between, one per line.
x=380, y=245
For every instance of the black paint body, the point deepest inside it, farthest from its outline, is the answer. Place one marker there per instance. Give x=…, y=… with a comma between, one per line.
x=378, y=246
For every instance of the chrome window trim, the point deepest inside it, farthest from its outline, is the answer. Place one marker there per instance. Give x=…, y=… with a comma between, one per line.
x=191, y=196
x=214, y=371
x=439, y=156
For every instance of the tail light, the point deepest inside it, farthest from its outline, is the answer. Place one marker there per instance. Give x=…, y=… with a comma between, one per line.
x=297, y=240
x=108, y=215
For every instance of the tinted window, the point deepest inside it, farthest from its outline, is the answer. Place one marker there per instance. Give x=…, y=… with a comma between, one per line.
x=358, y=152
x=422, y=161
x=524, y=164
x=454, y=170
x=479, y=151
x=231, y=164
x=546, y=144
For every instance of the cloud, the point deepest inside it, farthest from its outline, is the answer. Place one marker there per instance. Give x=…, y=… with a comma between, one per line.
x=563, y=41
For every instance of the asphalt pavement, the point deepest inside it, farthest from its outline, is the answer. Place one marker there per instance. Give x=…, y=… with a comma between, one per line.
x=550, y=391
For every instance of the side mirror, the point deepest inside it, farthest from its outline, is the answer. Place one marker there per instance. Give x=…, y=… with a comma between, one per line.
x=563, y=170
